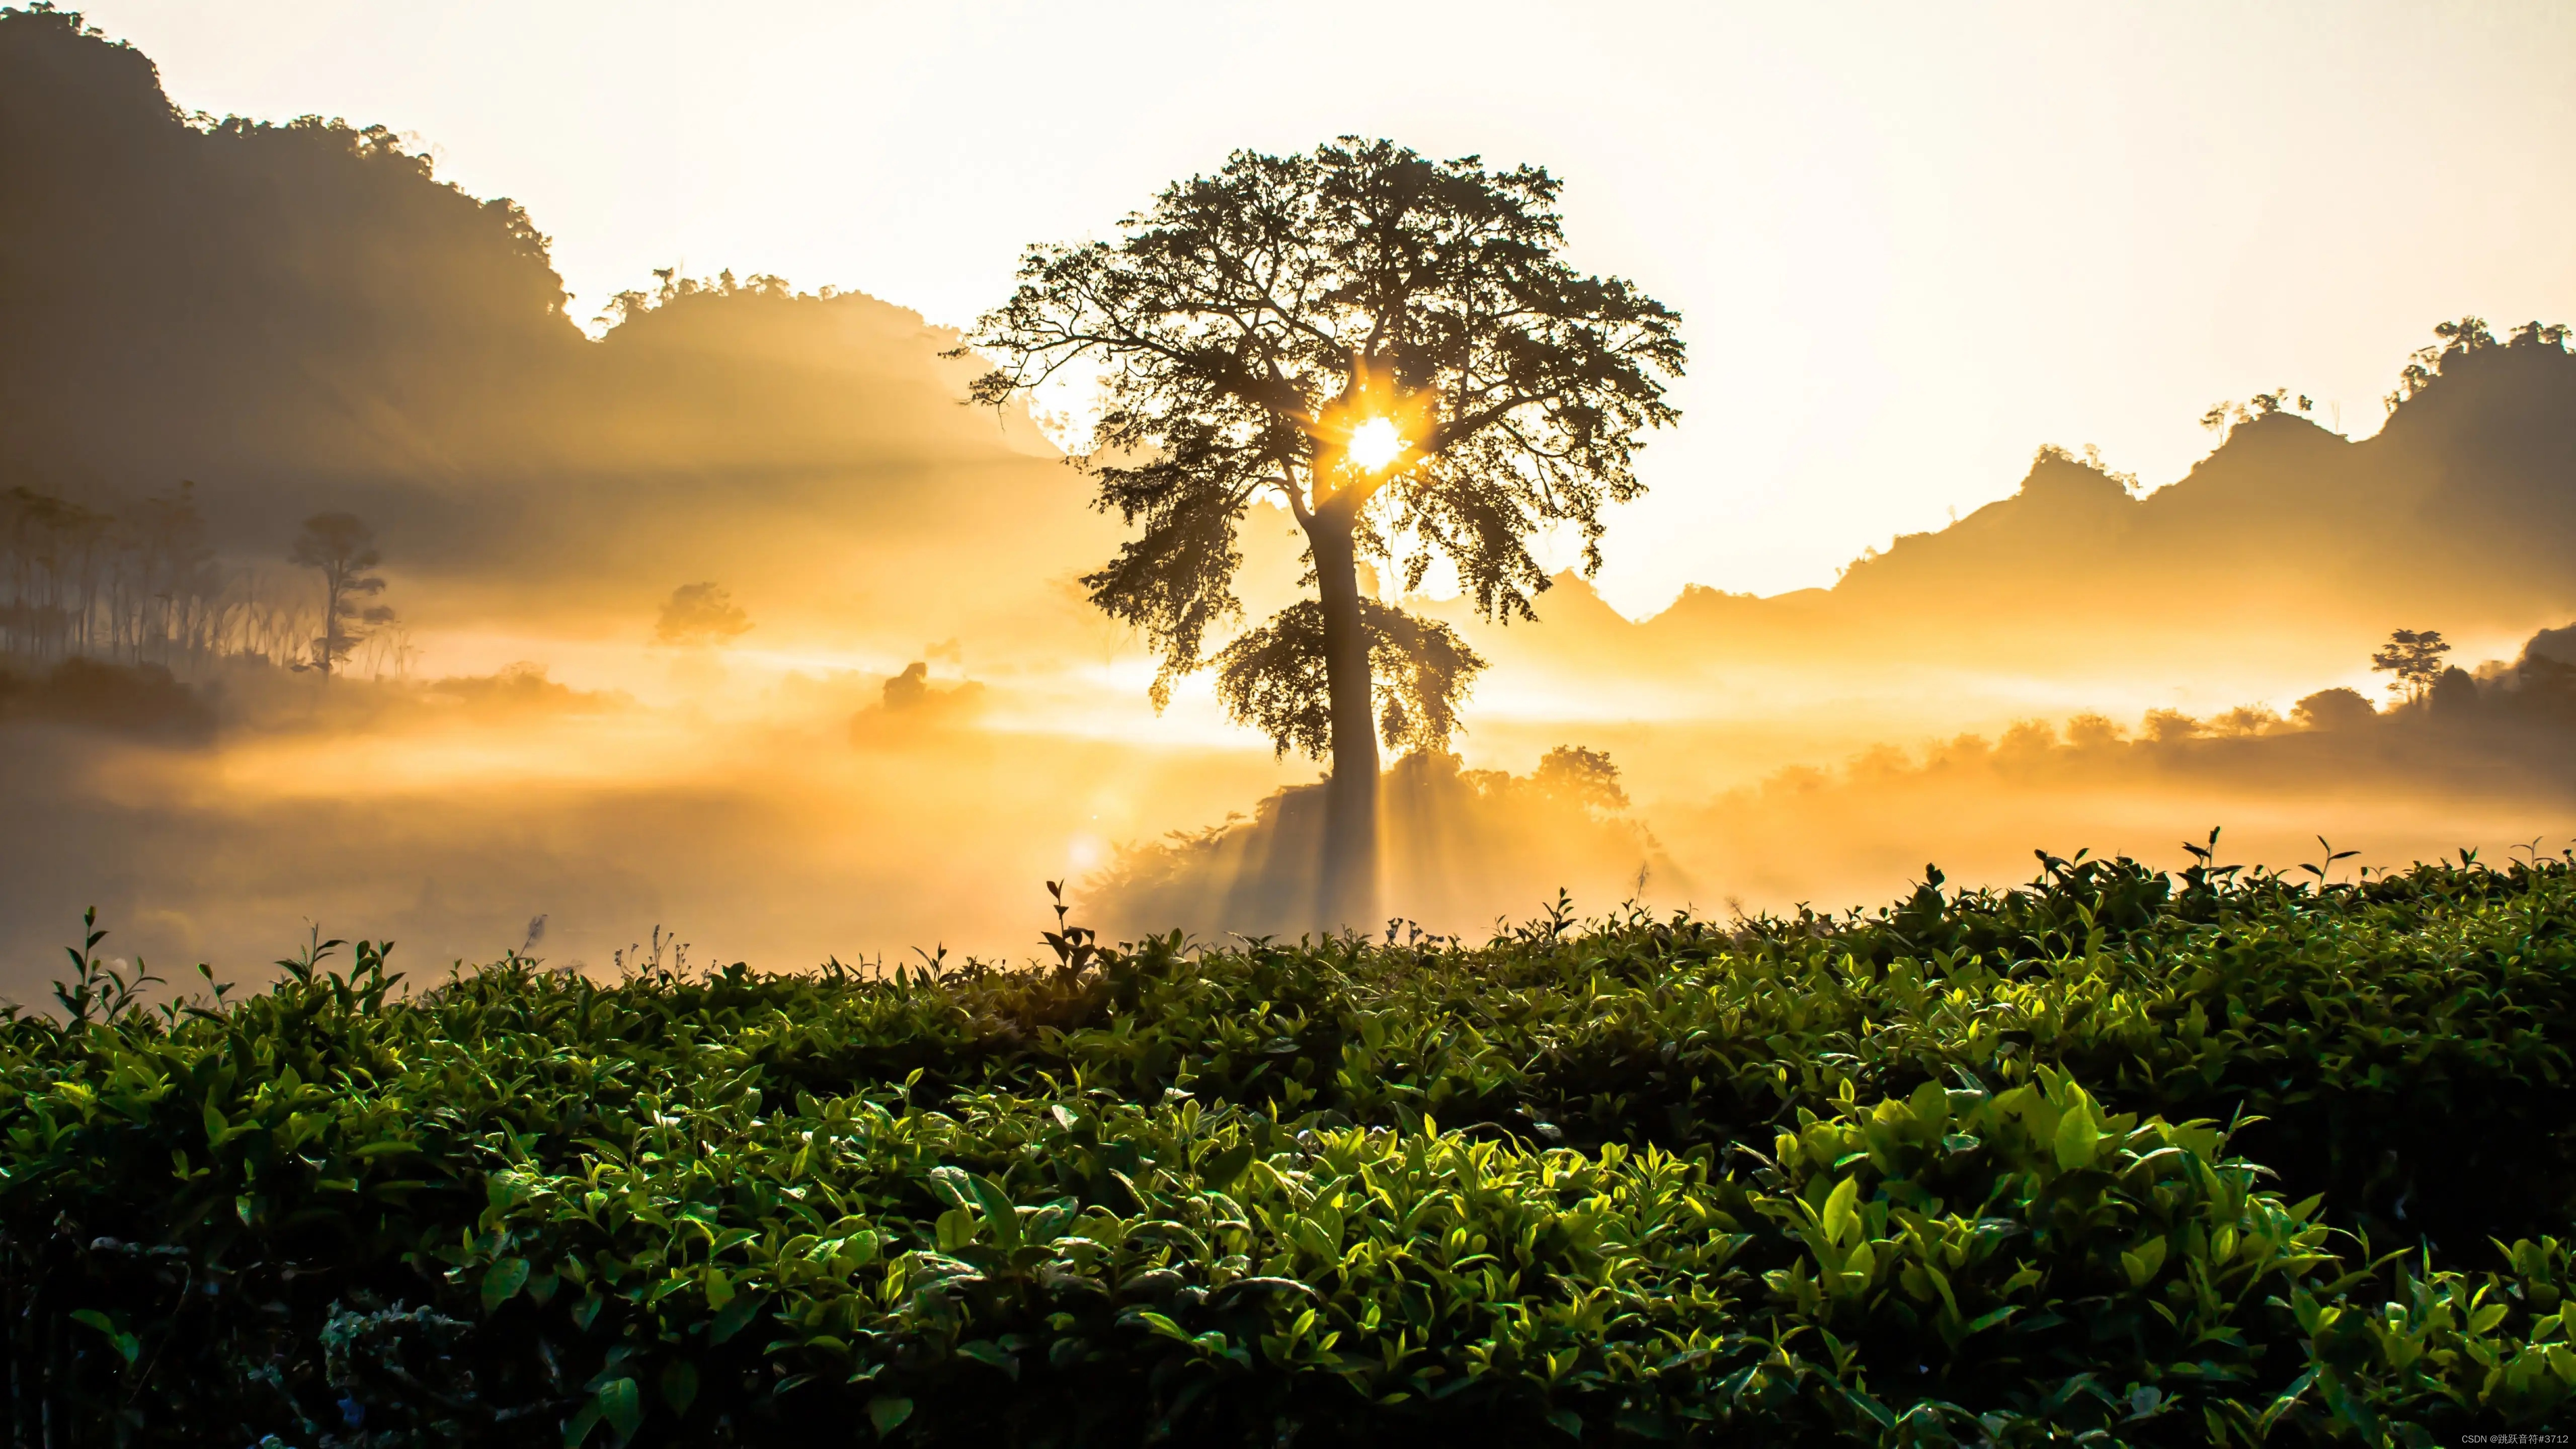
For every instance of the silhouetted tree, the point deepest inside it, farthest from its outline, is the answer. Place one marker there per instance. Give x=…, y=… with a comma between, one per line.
x=909, y=689
x=343, y=549
x=671, y=287
x=128, y=580
x=700, y=614
x=2452, y=340
x=2454, y=692
x=2224, y=416
x=1585, y=776
x=1392, y=347
x=2415, y=657
x=2338, y=708
x=2170, y=727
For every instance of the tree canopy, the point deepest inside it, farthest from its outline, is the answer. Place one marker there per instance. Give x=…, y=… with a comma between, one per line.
x=1248, y=324
x=2415, y=657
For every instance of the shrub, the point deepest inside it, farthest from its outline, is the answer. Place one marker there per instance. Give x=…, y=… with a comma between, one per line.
x=2118, y=1157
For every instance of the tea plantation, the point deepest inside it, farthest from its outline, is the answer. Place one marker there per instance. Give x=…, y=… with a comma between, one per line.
x=2120, y=1157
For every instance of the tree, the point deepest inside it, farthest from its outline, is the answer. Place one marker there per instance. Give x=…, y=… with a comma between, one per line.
x=343, y=549
x=1585, y=777
x=700, y=614
x=2454, y=692
x=2452, y=341
x=2338, y=708
x=2415, y=657
x=2224, y=417
x=1390, y=346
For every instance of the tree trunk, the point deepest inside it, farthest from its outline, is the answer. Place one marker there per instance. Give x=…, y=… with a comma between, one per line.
x=330, y=620
x=1347, y=880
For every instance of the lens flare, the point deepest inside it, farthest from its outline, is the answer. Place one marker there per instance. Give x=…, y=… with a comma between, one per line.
x=1376, y=443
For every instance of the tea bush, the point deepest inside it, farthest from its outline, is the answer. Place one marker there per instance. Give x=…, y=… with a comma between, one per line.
x=2119, y=1157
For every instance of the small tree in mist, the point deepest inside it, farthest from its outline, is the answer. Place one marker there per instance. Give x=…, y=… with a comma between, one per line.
x=700, y=614
x=1571, y=772
x=2338, y=708
x=343, y=550
x=1392, y=347
x=2415, y=657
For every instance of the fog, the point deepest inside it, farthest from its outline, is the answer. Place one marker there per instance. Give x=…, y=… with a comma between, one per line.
x=734, y=621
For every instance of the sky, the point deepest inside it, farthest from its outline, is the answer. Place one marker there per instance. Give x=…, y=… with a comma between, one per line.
x=1910, y=247
x=1910, y=244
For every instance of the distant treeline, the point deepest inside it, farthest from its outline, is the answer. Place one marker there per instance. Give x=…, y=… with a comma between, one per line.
x=136, y=581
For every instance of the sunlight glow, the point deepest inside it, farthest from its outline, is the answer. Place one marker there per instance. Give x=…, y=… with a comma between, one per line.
x=1376, y=443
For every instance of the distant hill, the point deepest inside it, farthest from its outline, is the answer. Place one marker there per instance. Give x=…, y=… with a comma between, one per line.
x=2459, y=514
x=302, y=316
x=2466, y=499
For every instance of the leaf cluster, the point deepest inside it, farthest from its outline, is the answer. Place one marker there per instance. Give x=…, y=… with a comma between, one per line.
x=1419, y=669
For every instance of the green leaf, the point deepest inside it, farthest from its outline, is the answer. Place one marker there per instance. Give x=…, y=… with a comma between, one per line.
x=1985, y=1321
x=128, y=1347
x=719, y=1289
x=730, y=1319
x=679, y=1385
x=2078, y=1137
x=1567, y=1420
x=621, y=1403
x=999, y=1214
x=1878, y=1412
x=1220, y=1169
x=887, y=1413
x=502, y=1282
x=1165, y=1327
x=985, y=1351
x=948, y=1184
x=1840, y=1222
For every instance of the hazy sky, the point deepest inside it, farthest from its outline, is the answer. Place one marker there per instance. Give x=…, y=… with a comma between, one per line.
x=1910, y=243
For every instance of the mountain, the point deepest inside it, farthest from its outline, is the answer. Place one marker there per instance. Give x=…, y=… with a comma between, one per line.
x=301, y=317
x=2460, y=514
x=2466, y=499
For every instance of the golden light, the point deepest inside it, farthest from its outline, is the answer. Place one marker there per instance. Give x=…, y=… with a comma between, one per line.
x=1376, y=443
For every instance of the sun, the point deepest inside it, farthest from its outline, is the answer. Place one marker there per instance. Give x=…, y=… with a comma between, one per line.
x=1376, y=443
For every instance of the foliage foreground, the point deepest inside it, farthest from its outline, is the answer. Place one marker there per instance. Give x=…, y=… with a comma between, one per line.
x=2118, y=1157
